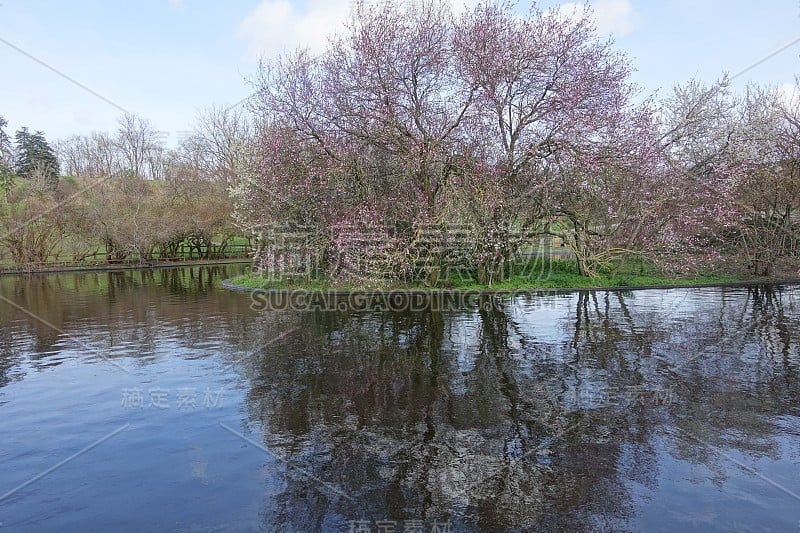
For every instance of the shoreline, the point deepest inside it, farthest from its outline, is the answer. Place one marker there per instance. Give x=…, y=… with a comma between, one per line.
x=121, y=267
x=530, y=291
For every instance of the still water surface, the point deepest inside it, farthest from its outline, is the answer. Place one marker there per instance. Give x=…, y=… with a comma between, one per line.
x=158, y=401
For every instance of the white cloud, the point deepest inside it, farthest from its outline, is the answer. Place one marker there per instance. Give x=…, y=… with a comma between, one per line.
x=611, y=16
x=276, y=26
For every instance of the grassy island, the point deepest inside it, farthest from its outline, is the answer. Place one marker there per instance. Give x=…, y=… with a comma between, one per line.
x=547, y=274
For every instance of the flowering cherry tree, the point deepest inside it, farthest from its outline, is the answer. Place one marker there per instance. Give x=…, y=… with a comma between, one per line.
x=607, y=193
x=571, y=155
x=734, y=156
x=512, y=128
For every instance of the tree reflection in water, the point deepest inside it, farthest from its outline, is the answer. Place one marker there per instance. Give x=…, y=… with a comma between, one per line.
x=475, y=417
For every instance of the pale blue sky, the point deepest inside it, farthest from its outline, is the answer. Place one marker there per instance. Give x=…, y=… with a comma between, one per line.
x=166, y=59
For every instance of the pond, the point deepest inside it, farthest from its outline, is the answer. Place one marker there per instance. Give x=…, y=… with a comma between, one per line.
x=159, y=401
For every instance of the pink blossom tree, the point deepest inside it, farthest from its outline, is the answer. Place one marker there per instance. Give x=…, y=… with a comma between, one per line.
x=518, y=127
x=377, y=119
x=607, y=193
x=571, y=155
x=732, y=155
